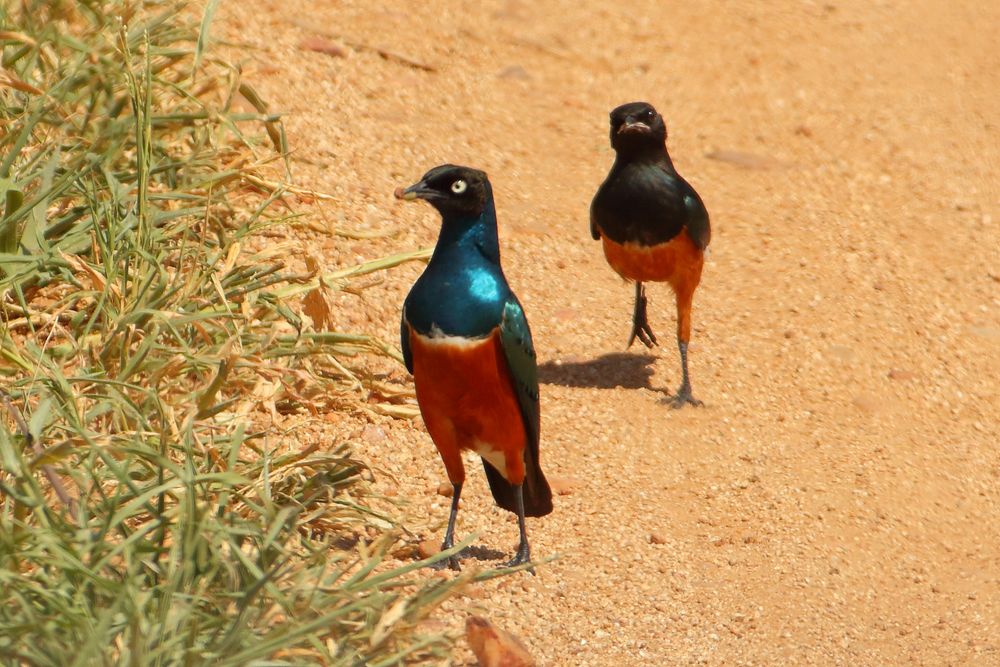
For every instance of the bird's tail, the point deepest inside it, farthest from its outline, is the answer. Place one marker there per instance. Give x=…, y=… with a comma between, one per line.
x=536, y=491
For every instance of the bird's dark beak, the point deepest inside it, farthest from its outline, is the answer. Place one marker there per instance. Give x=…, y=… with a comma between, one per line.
x=415, y=191
x=634, y=127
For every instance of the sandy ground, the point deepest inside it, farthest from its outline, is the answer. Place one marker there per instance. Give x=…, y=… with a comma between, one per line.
x=836, y=500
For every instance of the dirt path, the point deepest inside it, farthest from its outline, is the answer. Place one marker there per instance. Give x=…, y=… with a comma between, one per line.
x=836, y=501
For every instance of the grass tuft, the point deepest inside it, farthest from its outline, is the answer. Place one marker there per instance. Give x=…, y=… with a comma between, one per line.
x=149, y=513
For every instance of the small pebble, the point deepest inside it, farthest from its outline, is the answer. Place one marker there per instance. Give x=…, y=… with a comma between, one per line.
x=428, y=548
x=865, y=403
x=320, y=45
x=514, y=72
x=564, y=486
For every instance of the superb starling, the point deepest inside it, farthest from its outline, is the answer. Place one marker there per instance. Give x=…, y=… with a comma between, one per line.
x=652, y=223
x=466, y=341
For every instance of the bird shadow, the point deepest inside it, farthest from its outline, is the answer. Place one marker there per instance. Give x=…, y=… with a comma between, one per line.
x=471, y=552
x=478, y=552
x=615, y=369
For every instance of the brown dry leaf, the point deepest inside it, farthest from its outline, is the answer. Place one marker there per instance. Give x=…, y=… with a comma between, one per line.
x=11, y=81
x=97, y=280
x=389, y=619
x=495, y=647
x=231, y=257
x=398, y=411
x=13, y=36
x=317, y=308
x=312, y=264
x=315, y=303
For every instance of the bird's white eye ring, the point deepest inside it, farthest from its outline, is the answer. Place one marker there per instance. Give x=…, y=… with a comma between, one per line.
x=459, y=186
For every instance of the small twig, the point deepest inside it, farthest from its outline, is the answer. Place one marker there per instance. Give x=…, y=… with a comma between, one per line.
x=273, y=186
x=47, y=470
x=15, y=414
x=46, y=318
x=9, y=80
x=542, y=47
x=361, y=46
x=17, y=37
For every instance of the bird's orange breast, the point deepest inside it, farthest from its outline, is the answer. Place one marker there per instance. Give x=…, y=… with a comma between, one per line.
x=678, y=261
x=467, y=399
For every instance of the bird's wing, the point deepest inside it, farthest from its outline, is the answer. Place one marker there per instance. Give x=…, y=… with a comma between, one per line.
x=404, y=341
x=595, y=229
x=697, y=218
x=515, y=337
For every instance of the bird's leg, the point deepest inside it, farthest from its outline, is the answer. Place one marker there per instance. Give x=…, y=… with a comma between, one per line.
x=449, y=535
x=523, y=550
x=640, y=323
x=684, y=397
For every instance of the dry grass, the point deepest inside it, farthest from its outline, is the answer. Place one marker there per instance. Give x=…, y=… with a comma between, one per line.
x=148, y=512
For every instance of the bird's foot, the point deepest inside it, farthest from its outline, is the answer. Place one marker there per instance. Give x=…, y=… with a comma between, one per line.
x=523, y=556
x=640, y=321
x=683, y=397
x=643, y=332
x=452, y=562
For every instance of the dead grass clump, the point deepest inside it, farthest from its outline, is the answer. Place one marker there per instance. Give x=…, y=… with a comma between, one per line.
x=146, y=514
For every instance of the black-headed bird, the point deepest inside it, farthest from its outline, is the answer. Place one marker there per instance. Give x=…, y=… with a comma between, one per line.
x=466, y=341
x=652, y=224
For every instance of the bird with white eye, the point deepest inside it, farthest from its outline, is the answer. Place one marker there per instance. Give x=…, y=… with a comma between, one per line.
x=465, y=338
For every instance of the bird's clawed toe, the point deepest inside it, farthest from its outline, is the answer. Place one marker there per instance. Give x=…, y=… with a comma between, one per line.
x=523, y=556
x=451, y=563
x=644, y=333
x=683, y=397
x=640, y=321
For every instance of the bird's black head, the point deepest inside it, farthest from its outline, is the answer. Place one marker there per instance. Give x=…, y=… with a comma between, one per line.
x=452, y=190
x=636, y=126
